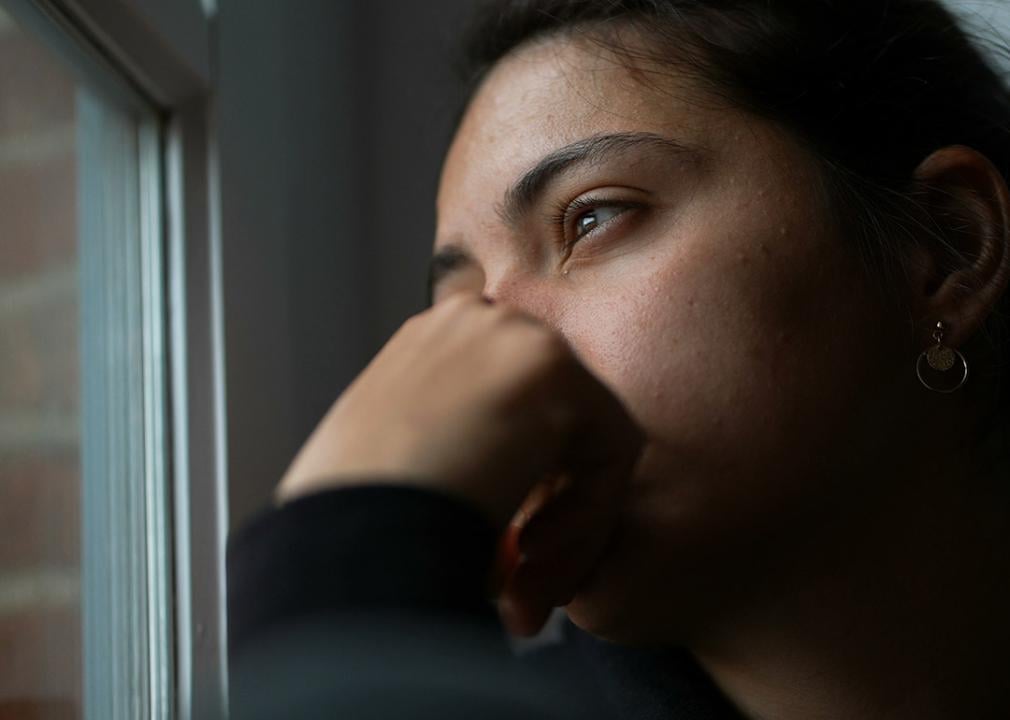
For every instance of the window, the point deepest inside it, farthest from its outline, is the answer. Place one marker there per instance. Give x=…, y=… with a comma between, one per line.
x=40, y=624
x=85, y=567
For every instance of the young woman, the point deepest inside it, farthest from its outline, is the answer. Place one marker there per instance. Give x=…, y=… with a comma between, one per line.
x=716, y=362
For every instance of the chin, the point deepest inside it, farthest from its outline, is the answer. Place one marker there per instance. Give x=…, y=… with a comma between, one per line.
x=610, y=604
x=643, y=611
x=659, y=582
x=587, y=616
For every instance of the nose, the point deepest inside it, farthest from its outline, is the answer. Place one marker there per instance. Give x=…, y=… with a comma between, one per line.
x=526, y=293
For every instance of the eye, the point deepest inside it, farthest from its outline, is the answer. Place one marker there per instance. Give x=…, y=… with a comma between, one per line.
x=595, y=217
x=583, y=216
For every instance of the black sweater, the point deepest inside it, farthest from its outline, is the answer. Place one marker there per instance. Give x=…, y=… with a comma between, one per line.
x=370, y=602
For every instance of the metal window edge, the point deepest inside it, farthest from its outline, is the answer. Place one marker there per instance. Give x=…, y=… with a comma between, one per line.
x=164, y=46
x=199, y=424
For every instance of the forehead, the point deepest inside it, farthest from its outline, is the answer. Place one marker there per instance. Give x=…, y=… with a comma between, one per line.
x=556, y=92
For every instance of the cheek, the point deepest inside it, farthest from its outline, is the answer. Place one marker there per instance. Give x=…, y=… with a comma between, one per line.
x=723, y=352
x=719, y=354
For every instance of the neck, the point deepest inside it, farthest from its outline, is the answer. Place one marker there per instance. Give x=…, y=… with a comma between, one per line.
x=909, y=620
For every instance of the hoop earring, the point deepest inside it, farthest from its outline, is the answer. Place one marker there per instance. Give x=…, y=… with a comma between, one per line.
x=940, y=360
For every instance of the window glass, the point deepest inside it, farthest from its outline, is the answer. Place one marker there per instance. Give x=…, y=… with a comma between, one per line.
x=84, y=594
x=40, y=470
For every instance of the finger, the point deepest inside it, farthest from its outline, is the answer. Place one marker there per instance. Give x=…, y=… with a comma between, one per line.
x=579, y=520
x=506, y=560
x=522, y=618
x=508, y=553
x=553, y=567
x=602, y=443
x=535, y=589
x=560, y=545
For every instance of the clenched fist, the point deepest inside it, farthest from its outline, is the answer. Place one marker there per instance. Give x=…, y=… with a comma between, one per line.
x=484, y=402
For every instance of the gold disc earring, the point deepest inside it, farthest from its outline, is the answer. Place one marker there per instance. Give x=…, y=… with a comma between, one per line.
x=935, y=364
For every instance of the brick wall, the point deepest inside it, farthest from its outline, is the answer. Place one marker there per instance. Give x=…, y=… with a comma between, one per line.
x=40, y=626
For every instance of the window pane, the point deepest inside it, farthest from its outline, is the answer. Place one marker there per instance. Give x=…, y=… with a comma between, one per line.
x=84, y=579
x=40, y=471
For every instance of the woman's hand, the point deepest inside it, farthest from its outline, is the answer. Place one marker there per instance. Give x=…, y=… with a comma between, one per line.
x=486, y=403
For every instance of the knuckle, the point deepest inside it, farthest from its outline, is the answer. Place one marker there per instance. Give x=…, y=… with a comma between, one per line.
x=458, y=301
x=411, y=328
x=415, y=325
x=506, y=315
x=411, y=323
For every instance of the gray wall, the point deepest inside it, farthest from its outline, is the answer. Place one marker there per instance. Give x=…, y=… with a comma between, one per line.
x=332, y=118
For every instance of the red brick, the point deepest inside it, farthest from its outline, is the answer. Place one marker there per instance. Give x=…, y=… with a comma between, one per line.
x=35, y=86
x=40, y=645
x=39, y=709
x=40, y=522
x=38, y=214
x=38, y=194
x=39, y=356
x=40, y=656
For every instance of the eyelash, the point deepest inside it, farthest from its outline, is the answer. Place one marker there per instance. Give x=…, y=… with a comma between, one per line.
x=566, y=213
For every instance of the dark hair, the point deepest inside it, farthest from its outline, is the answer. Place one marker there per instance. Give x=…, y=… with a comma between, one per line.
x=871, y=87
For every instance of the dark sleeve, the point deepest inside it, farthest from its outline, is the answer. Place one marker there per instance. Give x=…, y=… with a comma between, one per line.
x=372, y=602
x=355, y=548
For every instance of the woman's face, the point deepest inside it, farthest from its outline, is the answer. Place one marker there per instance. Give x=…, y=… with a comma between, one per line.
x=684, y=251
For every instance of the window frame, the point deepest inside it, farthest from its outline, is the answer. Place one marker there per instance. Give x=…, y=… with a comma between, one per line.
x=163, y=52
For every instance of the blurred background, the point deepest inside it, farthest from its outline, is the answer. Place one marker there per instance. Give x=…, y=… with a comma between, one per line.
x=212, y=215
x=332, y=118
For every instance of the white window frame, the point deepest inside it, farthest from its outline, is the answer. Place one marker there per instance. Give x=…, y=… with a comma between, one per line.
x=164, y=50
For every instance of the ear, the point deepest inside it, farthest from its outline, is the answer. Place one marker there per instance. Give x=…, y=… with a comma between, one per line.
x=960, y=280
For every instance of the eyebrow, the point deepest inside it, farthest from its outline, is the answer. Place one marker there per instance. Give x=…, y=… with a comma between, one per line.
x=523, y=195
x=595, y=150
